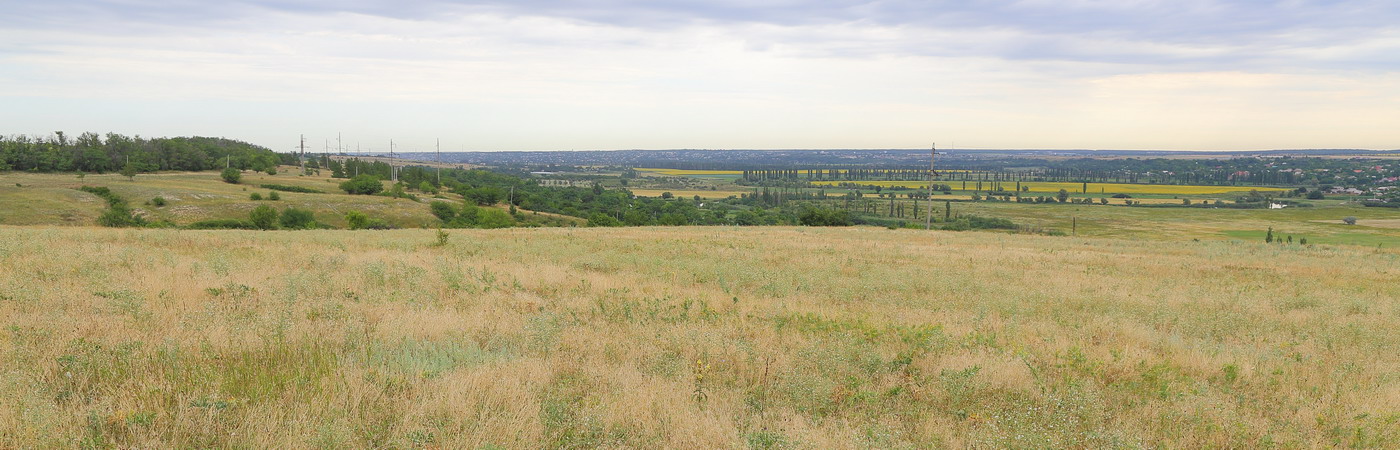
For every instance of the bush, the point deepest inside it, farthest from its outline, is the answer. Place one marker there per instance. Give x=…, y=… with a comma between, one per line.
x=263, y=217
x=362, y=185
x=1315, y=194
x=822, y=217
x=255, y=196
x=158, y=201
x=443, y=210
x=273, y=196
x=284, y=188
x=231, y=175
x=222, y=224
x=1349, y=220
x=272, y=170
x=494, y=218
x=297, y=219
x=602, y=220
x=119, y=215
x=359, y=221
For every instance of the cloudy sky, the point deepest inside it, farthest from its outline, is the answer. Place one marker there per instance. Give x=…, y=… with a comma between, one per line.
x=623, y=74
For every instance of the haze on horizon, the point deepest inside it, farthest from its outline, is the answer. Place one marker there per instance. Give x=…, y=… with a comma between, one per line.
x=622, y=74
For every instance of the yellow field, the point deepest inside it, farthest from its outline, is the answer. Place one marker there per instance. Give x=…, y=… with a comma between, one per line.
x=683, y=193
x=690, y=338
x=1075, y=188
x=684, y=172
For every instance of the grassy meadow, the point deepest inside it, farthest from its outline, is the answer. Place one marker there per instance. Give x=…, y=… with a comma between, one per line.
x=690, y=338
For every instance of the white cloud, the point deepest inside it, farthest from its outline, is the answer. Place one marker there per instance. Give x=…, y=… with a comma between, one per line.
x=852, y=74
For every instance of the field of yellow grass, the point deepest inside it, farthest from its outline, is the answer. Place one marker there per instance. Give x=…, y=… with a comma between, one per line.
x=1044, y=187
x=690, y=338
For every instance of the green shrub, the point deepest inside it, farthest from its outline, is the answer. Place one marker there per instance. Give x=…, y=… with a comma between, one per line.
x=263, y=217
x=273, y=196
x=362, y=185
x=158, y=201
x=443, y=210
x=255, y=196
x=231, y=175
x=285, y=188
x=222, y=224
x=822, y=217
x=272, y=170
x=297, y=219
x=359, y=221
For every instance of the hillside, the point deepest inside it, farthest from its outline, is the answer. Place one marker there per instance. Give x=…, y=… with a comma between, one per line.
x=53, y=199
x=690, y=337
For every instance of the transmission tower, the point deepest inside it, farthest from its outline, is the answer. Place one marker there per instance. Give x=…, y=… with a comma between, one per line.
x=932, y=175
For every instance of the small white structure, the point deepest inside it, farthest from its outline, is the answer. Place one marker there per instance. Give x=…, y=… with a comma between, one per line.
x=1277, y=205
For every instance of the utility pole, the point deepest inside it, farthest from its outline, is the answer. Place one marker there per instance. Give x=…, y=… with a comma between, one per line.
x=393, y=170
x=302, y=158
x=928, y=221
x=439, y=161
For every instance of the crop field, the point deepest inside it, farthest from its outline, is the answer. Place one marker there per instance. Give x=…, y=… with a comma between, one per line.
x=690, y=338
x=1076, y=188
x=689, y=193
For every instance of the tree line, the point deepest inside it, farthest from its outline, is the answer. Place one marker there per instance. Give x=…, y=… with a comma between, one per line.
x=94, y=153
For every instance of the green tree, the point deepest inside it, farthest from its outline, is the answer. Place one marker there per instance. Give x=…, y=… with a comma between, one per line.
x=263, y=217
x=231, y=175
x=274, y=196
x=1269, y=237
x=129, y=171
x=1062, y=196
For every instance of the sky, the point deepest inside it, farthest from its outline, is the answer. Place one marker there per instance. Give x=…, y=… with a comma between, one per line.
x=710, y=74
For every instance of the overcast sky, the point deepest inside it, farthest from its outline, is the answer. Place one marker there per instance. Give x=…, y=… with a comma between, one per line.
x=623, y=74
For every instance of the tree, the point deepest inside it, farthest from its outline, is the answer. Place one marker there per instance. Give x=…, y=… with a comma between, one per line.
x=129, y=171
x=263, y=217
x=231, y=175
x=1315, y=194
x=1062, y=196
x=362, y=185
x=426, y=187
x=272, y=170
x=1269, y=238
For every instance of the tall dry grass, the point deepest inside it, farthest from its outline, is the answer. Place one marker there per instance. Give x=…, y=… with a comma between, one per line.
x=690, y=338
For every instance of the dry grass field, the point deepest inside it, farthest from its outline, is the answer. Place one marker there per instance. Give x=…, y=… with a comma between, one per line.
x=690, y=338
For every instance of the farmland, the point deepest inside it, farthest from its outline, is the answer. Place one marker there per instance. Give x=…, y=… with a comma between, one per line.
x=690, y=337
x=1092, y=188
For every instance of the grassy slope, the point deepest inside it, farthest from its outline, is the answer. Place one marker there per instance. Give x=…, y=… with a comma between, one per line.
x=690, y=338
x=53, y=199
